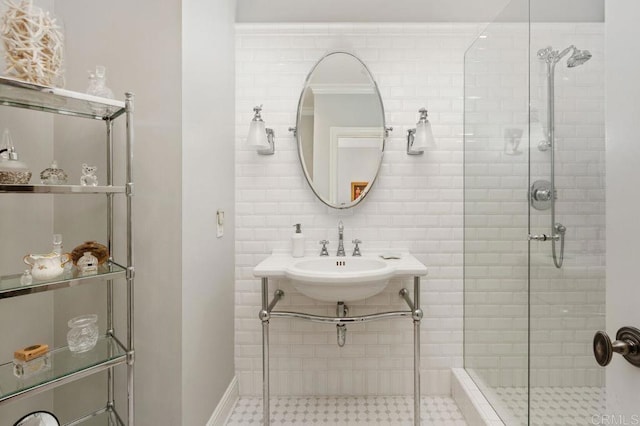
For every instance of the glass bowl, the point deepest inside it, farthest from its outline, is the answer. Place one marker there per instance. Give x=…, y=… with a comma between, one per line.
x=83, y=333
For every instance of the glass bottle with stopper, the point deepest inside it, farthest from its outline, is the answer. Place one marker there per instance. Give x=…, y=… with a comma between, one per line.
x=98, y=87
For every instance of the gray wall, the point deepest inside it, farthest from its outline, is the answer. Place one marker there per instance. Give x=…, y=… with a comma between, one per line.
x=184, y=145
x=411, y=10
x=208, y=132
x=127, y=37
x=26, y=227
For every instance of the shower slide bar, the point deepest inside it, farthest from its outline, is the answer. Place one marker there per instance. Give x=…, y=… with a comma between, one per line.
x=267, y=312
x=543, y=193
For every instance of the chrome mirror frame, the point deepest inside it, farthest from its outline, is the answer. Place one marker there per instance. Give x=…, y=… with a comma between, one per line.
x=385, y=133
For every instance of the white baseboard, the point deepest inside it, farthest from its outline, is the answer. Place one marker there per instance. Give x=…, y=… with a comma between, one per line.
x=228, y=400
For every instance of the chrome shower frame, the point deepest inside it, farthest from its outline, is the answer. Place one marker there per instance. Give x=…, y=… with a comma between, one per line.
x=551, y=58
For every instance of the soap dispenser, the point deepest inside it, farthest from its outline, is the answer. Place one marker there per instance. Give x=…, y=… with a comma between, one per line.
x=297, y=242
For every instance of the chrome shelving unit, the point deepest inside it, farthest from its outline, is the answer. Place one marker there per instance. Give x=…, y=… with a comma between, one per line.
x=10, y=284
x=104, y=417
x=62, y=189
x=110, y=351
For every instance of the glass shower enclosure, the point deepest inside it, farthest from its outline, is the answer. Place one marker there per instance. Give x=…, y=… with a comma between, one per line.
x=534, y=205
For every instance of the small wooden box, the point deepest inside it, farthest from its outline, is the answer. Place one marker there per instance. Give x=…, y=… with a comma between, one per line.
x=31, y=352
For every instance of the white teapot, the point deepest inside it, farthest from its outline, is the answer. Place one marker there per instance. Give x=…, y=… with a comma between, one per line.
x=47, y=266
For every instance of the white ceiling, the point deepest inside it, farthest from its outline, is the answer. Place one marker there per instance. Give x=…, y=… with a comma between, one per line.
x=417, y=10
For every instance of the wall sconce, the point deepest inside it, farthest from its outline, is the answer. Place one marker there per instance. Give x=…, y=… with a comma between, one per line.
x=421, y=137
x=260, y=137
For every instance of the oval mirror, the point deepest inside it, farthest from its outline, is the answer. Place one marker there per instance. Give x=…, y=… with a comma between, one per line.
x=340, y=130
x=38, y=418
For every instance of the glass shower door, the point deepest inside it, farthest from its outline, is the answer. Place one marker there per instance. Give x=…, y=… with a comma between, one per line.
x=567, y=295
x=496, y=176
x=534, y=156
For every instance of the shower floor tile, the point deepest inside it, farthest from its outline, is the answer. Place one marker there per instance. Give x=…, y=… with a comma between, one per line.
x=555, y=406
x=348, y=411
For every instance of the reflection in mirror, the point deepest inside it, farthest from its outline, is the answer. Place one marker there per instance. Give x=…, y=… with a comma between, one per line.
x=38, y=418
x=340, y=130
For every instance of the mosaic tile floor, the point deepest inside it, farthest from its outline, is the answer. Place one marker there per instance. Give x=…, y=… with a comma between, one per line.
x=555, y=406
x=348, y=411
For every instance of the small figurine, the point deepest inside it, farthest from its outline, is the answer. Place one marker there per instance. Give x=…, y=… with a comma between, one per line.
x=89, y=177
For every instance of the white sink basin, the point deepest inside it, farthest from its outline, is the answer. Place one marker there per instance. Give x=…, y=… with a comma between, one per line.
x=340, y=279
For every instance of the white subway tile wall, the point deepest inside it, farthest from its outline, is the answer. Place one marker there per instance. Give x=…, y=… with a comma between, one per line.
x=416, y=204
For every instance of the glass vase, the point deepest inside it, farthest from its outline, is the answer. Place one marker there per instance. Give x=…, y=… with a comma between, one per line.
x=33, y=42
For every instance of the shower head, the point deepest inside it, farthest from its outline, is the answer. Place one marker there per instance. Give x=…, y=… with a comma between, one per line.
x=545, y=53
x=552, y=57
x=578, y=58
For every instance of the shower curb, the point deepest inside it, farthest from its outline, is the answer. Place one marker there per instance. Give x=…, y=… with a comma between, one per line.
x=474, y=407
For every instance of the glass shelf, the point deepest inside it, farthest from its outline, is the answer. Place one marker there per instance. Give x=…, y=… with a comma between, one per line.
x=66, y=367
x=21, y=94
x=10, y=284
x=62, y=189
x=103, y=417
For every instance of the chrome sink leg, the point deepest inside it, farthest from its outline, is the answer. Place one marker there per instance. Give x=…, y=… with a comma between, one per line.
x=417, y=317
x=341, y=311
x=416, y=314
x=264, y=317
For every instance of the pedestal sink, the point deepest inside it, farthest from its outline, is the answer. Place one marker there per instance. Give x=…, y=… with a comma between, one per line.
x=340, y=279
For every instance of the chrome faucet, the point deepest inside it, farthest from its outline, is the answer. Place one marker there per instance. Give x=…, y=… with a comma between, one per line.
x=324, y=251
x=340, y=239
x=356, y=249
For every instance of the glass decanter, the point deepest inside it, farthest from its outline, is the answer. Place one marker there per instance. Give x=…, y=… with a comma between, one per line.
x=98, y=87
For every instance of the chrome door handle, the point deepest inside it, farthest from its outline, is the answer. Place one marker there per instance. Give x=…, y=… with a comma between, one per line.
x=627, y=344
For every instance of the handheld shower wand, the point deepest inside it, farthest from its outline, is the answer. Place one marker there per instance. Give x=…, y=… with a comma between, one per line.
x=552, y=57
